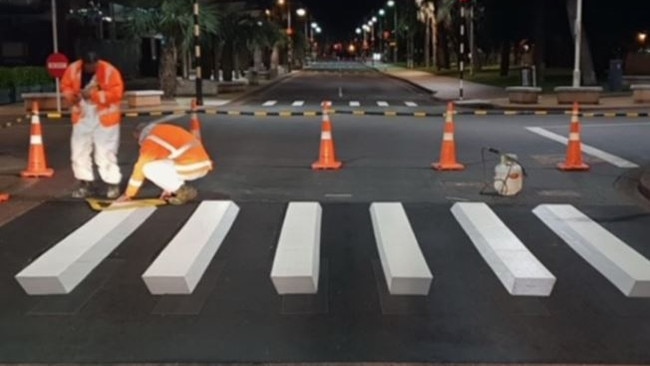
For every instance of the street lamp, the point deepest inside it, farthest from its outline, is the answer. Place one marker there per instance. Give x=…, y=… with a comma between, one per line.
x=578, y=39
x=301, y=12
x=358, y=31
x=391, y=4
x=382, y=12
x=641, y=37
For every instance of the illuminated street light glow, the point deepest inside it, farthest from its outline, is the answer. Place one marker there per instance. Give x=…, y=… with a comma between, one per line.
x=382, y=12
x=641, y=37
x=390, y=3
x=301, y=12
x=280, y=2
x=314, y=25
x=358, y=30
x=374, y=19
x=318, y=30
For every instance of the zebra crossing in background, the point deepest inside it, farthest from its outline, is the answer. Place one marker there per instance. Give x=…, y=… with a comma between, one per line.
x=352, y=103
x=181, y=264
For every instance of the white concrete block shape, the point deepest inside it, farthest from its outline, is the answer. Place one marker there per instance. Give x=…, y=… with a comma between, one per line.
x=520, y=272
x=296, y=265
x=59, y=270
x=624, y=267
x=404, y=266
x=180, y=266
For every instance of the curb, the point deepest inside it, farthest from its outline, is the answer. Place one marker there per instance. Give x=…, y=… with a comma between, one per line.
x=417, y=86
x=644, y=183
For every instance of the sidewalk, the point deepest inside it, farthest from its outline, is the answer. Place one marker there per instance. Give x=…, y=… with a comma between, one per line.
x=15, y=113
x=447, y=89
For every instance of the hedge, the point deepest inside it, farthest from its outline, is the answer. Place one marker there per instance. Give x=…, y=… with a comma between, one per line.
x=24, y=76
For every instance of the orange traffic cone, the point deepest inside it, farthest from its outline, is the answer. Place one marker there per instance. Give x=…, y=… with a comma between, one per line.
x=4, y=197
x=195, y=124
x=327, y=158
x=574, y=150
x=448, y=150
x=37, y=164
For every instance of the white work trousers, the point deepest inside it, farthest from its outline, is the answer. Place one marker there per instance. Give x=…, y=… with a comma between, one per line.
x=164, y=174
x=89, y=133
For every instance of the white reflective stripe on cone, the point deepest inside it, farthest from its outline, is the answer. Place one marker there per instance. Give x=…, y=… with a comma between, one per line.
x=574, y=136
x=35, y=120
x=36, y=140
x=325, y=135
x=448, y=136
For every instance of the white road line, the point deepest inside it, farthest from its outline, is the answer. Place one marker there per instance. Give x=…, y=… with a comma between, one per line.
x=180, y=266
x=354, y=103
x=586, y=125
x=296, y=265
x=298, y=103
x=270, y=103
x=520, y=272
x=404, y=266
x=381, y=103
x=59, y=270
x=590, y=150
x=624, y=267
x=411, y=104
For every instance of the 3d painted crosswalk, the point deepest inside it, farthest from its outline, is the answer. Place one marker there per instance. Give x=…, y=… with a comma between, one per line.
x=351, y=104
x=180, y=266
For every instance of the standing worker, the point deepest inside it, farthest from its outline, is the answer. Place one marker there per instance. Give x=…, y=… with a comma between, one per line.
x=94, y=88
x=169, y=156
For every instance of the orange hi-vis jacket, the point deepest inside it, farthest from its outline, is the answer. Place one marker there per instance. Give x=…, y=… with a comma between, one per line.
x=107, y=90
x=173, y=143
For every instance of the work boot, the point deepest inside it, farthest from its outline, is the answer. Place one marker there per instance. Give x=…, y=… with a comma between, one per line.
x=84, y=190
x=183, y=195
x=113, y=191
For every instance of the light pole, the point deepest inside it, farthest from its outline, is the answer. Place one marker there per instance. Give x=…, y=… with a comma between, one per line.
x=578, y=39
x=302, y=13
x=55, y=43
x=382, y=12
x=197, y=55
x=391, y=4
x=289, y=33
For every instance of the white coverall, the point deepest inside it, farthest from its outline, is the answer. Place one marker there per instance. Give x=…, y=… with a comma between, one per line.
x=89, y=133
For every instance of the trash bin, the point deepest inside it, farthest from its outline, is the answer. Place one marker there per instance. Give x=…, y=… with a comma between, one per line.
x=526, y=76
x=615, y=77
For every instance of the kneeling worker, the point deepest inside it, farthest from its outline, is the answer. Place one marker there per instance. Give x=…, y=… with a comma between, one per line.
x=169, y=156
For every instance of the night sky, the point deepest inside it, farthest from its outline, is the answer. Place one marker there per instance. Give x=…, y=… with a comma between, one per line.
x=341, y=17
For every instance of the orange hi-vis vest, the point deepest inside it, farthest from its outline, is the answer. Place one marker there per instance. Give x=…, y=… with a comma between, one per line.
x=172, y=143
x=107, y=90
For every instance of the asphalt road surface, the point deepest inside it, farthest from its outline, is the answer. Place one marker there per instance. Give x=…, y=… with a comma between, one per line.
x=263, y=164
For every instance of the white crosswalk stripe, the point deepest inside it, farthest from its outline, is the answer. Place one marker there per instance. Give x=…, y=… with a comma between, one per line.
x=628, y=270
x=298, y=103
x=354, y=103
x=410, y=104
x=382, y=103
x=67, y=263
x=515, y=266
x=180, y=266
x=183, y=261
x=270, y=103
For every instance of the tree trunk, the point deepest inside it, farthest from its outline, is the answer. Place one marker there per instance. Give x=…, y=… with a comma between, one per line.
x=505, y=58
x=257, y=59
x=586, y=61
x=474, y=56
x=167, y=75
x=434, y=41
x=445, y=60
x=227, y=61
x=427, y=46
x=275, y=60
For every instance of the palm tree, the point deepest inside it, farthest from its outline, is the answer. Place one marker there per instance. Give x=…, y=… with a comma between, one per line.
x=173, y=19
x=426, y=15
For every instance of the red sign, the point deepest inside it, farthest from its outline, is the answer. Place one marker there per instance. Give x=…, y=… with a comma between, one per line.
x=56, y=64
